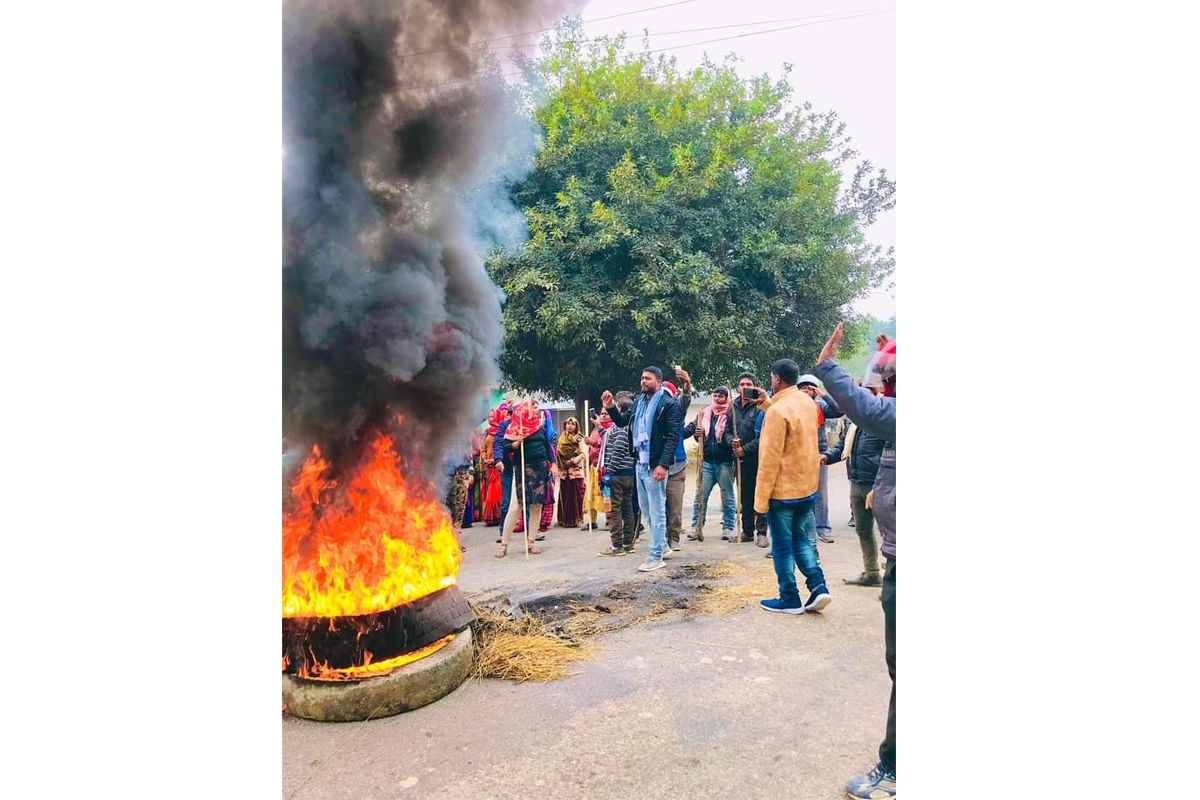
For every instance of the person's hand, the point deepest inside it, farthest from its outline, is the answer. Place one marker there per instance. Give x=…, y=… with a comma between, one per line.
x=660, y=473
x=500, y=466
x=554, y=470
x=870, y=495
x=881, y=341
x=606, y=398
x=684, y=378
x=824, y=459
x=737, y=448
x=829, y=351
x=699, y=434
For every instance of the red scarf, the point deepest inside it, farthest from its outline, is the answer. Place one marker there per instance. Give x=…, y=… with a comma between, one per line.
x=526, y=421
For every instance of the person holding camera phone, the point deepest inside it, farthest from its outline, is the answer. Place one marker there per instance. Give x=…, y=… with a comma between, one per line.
x=745, y=447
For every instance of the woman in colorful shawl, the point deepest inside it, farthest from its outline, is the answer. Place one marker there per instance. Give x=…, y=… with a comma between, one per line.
x=493, y=487
x=571, y=463
x=547, y=518
x=526, y=440
x=597, y=500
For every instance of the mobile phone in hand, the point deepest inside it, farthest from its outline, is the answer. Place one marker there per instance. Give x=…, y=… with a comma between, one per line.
x=751, y=393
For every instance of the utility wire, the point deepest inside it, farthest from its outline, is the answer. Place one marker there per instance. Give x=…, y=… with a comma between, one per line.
x=664, y=49
x=650, y=33
x=544, y=30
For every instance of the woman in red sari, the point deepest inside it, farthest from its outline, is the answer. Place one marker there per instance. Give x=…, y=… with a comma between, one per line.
x=492, y=487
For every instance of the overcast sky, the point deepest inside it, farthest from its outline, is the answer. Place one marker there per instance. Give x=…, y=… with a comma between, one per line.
x=847, y=66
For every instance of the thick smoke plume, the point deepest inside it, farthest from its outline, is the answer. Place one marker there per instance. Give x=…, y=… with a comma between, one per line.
x=388, y=309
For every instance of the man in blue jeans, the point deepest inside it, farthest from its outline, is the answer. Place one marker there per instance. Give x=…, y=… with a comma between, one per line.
x=788, y=479
x=715, y=432
x=653, y=424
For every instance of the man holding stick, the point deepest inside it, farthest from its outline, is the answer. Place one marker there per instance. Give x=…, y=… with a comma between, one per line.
x=653, y=424
x=745, y=447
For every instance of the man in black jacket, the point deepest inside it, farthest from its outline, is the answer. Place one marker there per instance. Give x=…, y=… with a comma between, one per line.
x=861, y=450
x=653, y=424
x=745, y=447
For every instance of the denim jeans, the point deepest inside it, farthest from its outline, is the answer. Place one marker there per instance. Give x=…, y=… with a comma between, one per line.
x=719, y=475
x=652, y=500
x=822, y=508
x=792, y=526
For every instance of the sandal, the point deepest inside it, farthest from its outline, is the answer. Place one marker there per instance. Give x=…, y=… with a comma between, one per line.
x=534, y=550
x=502, y=551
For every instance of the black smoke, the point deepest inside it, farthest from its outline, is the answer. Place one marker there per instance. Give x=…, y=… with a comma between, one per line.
x=387, y=307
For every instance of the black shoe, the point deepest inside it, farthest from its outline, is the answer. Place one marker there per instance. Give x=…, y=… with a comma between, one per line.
x=499, y=540
x=628, y=551
x=540, y=538
x=746, y=539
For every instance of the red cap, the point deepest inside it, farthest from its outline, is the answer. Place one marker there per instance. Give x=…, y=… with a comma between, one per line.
x=670, y=387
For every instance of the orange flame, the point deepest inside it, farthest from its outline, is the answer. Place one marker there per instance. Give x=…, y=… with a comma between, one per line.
x=376, y=543
x=323, y=672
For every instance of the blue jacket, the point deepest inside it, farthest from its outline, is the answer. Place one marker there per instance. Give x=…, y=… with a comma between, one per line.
x=875, y=415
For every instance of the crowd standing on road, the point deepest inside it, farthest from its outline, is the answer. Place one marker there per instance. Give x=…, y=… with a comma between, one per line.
x=767, y=452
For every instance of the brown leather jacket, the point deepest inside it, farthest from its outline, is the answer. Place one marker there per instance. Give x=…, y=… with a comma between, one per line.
x=789, y=466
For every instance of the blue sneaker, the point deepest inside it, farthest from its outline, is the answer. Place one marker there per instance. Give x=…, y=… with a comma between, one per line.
x=781, y=606
x=817, y=601
x=878, y=784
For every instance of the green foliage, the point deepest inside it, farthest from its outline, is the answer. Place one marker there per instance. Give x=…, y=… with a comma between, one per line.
x=679, y=217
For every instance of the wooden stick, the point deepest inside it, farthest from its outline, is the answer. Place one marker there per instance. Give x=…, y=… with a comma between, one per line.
x=737, y=478
x=524, y=505
x=587, y=465
x=702, y=508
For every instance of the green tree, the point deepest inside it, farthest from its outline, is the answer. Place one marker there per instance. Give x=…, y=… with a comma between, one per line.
x=679, y=217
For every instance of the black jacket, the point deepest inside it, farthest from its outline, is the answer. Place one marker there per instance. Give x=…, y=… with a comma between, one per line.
x=717, y=452
x=747, y=417
x=537, y=449
x=664, y=431
x=864, y=454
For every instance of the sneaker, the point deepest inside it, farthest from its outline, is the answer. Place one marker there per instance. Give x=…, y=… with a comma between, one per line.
x=825, y=537
x=650, y=564
x=668, y=552
x=726, y=536
x=780, y=606
x=761, y=540
x=747, y=539
x=865, y=579
x=817, y=601
x=878, y=784
x=614, y=551
x=628, y=551
x=850, y=524
x=695, y=536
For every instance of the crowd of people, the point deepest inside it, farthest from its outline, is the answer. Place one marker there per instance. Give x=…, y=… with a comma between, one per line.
x=765, y=450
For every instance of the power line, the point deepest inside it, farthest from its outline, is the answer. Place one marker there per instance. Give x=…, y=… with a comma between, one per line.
x=648, y=33
x=772, y=30
x=544, y=30
x=664, y=49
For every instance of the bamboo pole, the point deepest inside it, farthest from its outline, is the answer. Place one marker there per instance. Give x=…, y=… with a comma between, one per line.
x=702, y=505
x=587, y=465
x=737, y=478
x=524, y=504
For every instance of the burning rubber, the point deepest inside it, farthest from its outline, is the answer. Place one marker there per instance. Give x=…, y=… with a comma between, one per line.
x=409, y=687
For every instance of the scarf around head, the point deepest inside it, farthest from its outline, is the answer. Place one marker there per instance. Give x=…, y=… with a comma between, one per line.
x=498, y=415
x=526, y=421
x=721, y=413
x=570, y=444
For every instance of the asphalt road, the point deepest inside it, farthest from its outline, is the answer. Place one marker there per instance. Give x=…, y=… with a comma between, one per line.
x=747, y=705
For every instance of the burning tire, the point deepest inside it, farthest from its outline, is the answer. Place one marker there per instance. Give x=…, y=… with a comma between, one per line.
x=405, y=689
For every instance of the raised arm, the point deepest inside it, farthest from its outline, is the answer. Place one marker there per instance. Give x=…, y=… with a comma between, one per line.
x=874, y=414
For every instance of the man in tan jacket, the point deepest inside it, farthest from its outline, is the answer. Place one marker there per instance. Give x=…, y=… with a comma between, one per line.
x=788, y=478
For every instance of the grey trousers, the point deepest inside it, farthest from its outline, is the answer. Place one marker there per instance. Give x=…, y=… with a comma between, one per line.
x=864, y=524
